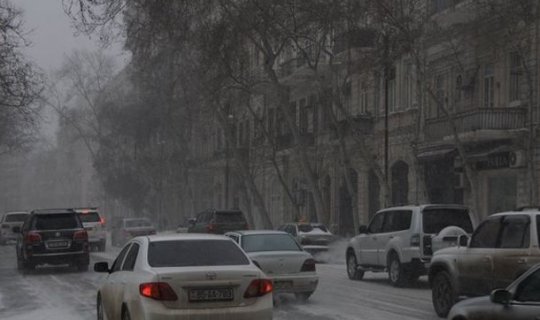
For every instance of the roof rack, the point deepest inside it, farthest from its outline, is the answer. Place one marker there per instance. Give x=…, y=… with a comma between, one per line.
x=47, y=211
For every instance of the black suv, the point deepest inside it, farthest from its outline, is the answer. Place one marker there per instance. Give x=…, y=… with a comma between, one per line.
x=52, y=236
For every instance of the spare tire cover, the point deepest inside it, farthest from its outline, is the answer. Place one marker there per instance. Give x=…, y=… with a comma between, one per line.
x=448, y=237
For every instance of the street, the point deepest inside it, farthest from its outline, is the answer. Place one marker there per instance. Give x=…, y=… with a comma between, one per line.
x=61, y=293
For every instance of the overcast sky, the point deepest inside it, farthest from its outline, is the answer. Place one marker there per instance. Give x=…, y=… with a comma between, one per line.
x=52, y=37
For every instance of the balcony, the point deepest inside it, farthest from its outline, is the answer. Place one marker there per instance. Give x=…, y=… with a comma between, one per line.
x=359, y=125
x=478, y=121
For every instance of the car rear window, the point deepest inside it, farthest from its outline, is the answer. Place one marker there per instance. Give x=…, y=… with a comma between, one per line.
x=55, y=222
x=89, y=217
x=16, y=217
x=195, y=253
x=436, y=219
x=230, y=217
x=269, y=242
x=135, y=223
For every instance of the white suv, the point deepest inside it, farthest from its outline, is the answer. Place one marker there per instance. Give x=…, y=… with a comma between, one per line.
x=401, y=240
x=94, y=225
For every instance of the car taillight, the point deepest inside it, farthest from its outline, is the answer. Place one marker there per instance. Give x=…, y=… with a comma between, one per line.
x=80, y=235
x=211, y=227
x=415, y=240
x=32, y=237
x=258, y=288
x=102, y=221
x=157, y=291
x=308, y=266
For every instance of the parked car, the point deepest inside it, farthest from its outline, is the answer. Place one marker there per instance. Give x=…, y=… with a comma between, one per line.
x=519, y=301
x=218, y=222
x=7, y=222
x=314, y=237
x=503, y=247
x=52, y=236
x=183, y=276
x=124, y=229
x=94, y=224
x=399, y=240
x=277, y=254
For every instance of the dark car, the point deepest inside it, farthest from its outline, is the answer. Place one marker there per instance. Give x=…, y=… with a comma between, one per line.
x=52, y=236
x=123, y=229
x=219, y=222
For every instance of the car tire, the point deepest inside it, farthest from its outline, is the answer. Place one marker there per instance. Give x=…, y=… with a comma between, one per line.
x=303, y=296
x=125, y=313
x=100, y=312
x=443, y=293
x=396, y=271
x=352, y=267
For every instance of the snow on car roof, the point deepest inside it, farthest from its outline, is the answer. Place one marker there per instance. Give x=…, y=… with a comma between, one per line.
x=186, y=236
x=254, y=232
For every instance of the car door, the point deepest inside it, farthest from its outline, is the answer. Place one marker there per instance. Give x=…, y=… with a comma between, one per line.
x=128, y=279
x=525, y=304
x=367, y=251
x=396, y=225
x=512, y=255
x=475, y=265
x=110, y=290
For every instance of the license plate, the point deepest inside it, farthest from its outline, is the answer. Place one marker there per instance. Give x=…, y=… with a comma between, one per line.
x=57, y=244
x=218, y=294
x=282, y=285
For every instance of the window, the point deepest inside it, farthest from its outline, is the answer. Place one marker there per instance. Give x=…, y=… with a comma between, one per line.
x=303, y=116
x=529, y=289
x=515, y=232
x=458, y=95
x=397, y=221
x=489, y=91
x=16, y=217
x=440, y=94
x=515, y=75
x=131, y=258
x=55, y=221
x=269, y=242
x=486, y=234
x=117, y=264
x=391, y=94
x=195, y=253
x=376, y=223
x=363, y=97
x=436, y=219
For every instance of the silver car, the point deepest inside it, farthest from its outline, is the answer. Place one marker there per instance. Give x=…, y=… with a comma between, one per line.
x=280, y=257
x=520, y=301
x=7, y=222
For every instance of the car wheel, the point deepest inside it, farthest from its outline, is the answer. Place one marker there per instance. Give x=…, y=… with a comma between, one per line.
x=396, y=272
x=352, y=268
x=443, y=293
x=125, y=314
x=303, y=296
x=99, y=309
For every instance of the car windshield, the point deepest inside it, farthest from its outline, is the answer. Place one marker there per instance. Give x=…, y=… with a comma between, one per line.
x=56, y=221
x=269, y=242
x=195, y=253
x=230, y=217
x=436, y=219
x=137, y=223
x=89, y=217
x=307, y=228
x=16, y=217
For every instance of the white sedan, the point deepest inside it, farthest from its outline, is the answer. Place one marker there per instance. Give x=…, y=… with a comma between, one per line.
x=183, y=276
x=279, y=255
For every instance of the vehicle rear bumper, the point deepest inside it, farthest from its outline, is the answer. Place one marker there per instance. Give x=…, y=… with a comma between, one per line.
x=80, y=258
x=155, y=310
x=295, y=283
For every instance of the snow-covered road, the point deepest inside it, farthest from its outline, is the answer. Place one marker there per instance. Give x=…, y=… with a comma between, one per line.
x=59, y=293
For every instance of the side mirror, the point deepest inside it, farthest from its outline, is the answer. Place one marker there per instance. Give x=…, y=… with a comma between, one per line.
x=501, y=296
x=101, y=267
x=16, y=229
x=463, y=240
x=363, y=229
